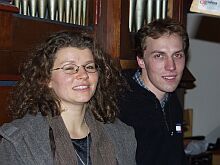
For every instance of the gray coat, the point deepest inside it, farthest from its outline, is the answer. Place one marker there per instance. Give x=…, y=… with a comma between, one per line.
x=26, y=142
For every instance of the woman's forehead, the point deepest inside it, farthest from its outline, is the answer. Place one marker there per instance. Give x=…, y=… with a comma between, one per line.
x=73, y=54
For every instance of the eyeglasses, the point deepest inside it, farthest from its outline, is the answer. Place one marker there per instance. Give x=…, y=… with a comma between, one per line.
x=72, y=68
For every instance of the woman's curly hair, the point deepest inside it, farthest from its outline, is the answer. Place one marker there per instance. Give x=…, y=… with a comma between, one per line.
x=32, y=94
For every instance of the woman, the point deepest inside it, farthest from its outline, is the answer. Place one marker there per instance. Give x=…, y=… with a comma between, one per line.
x=65, y=108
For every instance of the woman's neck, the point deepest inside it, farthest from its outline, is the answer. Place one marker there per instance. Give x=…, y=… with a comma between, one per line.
x=74, y=120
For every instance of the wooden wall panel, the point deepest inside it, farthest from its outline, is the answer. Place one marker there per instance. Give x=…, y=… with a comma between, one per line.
x=5, y=30
x=4, y=114
x=10, y=62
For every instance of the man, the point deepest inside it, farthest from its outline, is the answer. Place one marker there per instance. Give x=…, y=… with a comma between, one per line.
x=151, y=105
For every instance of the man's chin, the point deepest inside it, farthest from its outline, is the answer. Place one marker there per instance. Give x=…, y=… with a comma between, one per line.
x=170, y=89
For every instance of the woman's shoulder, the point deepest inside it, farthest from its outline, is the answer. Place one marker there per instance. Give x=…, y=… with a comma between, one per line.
x=20, y=127
x=118, y=125
x=123, y=137
x=120, y=130
x=26, y=136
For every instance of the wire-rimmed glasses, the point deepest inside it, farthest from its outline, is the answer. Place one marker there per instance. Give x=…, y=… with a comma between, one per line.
x=73, y=68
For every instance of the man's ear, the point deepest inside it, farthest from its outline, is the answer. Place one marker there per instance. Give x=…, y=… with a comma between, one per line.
x=140, y=62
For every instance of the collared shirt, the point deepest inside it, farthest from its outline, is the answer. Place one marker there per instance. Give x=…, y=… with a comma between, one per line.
x=137, y=78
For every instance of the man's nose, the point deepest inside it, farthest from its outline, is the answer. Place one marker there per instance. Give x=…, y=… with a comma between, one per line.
x=170, y=64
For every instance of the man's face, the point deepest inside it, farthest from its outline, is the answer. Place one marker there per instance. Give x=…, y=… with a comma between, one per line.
x=162, y=64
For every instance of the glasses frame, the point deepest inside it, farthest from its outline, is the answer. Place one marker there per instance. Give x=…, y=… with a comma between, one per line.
x=77, y=68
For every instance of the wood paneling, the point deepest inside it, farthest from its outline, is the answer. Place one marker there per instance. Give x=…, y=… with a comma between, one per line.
x=179, y=10
x=10, y=61
x=20, y=34
x=108, y=29
x=5, y=30
x=4, y=114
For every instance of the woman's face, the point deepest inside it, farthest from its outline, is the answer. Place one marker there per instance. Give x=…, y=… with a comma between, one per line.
x=76, y=88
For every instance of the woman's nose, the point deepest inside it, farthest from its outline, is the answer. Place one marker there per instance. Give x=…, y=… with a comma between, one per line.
x=82, y=73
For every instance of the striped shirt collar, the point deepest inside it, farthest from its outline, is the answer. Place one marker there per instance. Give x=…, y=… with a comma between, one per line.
x=137, y=78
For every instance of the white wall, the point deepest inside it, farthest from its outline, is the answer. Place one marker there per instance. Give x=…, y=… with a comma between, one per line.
x=204, y=63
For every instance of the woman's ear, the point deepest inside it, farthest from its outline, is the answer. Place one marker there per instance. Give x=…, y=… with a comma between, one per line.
x=50, y=84
x=140, y=62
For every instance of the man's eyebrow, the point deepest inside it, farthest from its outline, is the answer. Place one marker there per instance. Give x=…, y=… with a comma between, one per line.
x=180, y=51
x=157, y=51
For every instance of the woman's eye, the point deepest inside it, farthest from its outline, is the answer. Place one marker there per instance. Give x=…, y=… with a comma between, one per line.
x=90, y=67
x=68, y=68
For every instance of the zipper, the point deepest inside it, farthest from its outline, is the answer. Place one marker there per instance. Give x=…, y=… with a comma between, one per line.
x=166, y=123
x=165, y=117
x=165, y=120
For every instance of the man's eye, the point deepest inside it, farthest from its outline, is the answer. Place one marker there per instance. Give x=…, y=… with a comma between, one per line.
x=179, y=55
x=158, y=55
